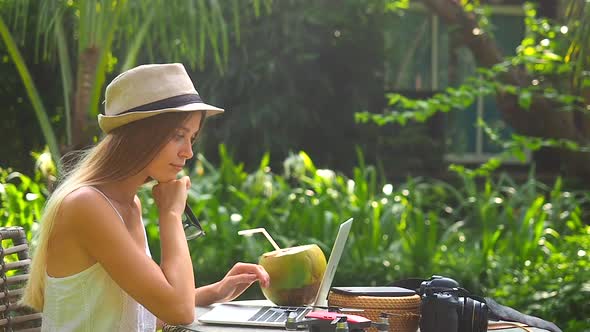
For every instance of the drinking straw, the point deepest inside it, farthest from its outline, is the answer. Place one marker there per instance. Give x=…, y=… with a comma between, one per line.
x=249, y=232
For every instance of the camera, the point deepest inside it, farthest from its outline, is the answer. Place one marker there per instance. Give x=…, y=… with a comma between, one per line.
x=446, y=307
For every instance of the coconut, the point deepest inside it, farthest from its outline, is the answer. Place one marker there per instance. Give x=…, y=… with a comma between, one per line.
x=295, y=274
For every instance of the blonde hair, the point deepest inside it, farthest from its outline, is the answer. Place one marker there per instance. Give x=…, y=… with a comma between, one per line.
x=123, y=152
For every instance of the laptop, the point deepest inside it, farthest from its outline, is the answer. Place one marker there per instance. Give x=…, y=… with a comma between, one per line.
x=246, y=313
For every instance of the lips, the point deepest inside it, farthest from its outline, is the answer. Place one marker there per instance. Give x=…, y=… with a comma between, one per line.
x=178, y=167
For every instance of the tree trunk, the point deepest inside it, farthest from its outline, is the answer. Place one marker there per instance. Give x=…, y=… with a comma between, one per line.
x=541, y=120
x=87, y=64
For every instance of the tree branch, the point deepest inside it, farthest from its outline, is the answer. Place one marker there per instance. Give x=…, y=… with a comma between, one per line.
x=541, y=120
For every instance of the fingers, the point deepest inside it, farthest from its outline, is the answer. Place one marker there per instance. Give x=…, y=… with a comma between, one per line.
x=251, y=269
x=240, y=277
x=245, y=278
x=263, y=276
x=171, y=195
x=187, y=182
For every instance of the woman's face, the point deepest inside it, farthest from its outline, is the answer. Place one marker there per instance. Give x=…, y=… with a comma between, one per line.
x=171, y=159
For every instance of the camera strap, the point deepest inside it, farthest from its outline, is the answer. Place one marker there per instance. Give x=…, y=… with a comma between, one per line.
x=506, y=313
x=496, y=310
x=508, y=325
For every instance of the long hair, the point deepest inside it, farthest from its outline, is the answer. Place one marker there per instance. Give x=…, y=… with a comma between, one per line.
x=122, y=153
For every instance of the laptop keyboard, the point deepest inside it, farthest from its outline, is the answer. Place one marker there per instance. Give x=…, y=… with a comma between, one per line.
x=277, y=314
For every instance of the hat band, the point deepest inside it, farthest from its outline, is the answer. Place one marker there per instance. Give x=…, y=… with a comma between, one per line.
x=171, y=102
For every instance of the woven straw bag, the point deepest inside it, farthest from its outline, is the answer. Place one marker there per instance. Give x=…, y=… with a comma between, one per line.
x=404, y=310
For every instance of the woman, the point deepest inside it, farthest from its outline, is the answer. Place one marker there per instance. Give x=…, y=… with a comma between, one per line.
x=92, y=270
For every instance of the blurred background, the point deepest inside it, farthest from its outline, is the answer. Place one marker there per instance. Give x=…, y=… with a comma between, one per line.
x=455, y=132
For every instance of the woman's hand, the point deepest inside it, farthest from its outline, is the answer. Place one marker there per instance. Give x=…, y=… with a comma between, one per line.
x=171, y=196
x=238, y=279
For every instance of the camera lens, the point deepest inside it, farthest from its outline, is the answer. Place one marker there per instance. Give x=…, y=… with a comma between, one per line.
x=480, y=317
x=473, y=315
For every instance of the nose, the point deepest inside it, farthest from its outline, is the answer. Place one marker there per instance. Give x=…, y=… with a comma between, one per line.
x=187, y=151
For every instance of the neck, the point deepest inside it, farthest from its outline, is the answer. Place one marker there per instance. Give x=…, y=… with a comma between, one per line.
x=122, y=191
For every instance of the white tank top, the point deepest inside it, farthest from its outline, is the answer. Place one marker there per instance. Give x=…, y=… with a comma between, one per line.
x=91, y=301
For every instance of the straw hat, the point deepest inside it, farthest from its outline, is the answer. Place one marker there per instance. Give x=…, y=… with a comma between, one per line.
x=150, y=90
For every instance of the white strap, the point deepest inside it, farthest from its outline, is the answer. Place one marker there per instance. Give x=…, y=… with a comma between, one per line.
x=108, y=200
x=147, y=248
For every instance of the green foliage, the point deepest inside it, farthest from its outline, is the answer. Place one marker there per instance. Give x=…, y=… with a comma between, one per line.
x=550, y=57
x=31, y=90
x=21, y=200
x=320, y=63
x=556, y=284
x=516, y=147
x=484, y=234
x=524, y=244
x=93, y=35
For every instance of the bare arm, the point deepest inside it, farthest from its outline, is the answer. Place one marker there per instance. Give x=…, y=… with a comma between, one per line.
x=165, y=290
x=207, y=295
x=236, y=281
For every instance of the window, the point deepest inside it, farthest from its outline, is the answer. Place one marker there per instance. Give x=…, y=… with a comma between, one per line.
x=420, y=57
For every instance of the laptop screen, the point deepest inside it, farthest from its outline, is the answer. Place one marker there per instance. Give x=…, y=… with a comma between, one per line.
x=337, y=249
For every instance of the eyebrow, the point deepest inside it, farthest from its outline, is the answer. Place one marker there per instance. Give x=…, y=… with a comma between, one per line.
x=187, y=129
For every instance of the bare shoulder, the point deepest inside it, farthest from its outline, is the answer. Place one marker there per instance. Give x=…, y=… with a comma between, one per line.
x=82, y=215
x=81, y=199
x=84, y=207
x=92, y=219
x=83, y=194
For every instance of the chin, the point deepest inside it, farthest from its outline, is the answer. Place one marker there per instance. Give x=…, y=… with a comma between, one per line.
x=165, y=178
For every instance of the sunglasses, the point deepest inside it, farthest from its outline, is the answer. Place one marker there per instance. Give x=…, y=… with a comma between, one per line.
x=192, y=226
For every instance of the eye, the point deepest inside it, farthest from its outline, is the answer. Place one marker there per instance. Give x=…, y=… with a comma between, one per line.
x=179, y=136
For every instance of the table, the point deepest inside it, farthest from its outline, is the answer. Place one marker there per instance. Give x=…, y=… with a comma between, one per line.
x=197, y=326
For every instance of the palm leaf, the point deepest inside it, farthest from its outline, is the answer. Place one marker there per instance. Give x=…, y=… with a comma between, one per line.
x=104, y=27
x=577, y=14
x=32, y=92
x=66, y=73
